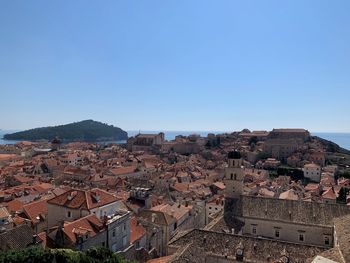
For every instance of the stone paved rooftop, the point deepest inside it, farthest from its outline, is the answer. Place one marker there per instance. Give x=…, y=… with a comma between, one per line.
x=294, y=211
x=203, y=243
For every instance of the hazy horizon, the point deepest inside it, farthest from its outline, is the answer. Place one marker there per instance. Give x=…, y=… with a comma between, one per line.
x=186, y=131
x=342, y=139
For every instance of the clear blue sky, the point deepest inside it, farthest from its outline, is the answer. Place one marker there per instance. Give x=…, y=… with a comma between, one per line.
x=176, y=64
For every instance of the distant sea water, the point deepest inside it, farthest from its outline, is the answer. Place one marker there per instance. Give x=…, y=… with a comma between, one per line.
x=2, y=133
x=169, y=135
x=342, y=139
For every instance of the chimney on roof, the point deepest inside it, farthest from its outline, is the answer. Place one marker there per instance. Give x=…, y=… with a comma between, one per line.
x=71, y=195
x=96, y=196
x=154, y=216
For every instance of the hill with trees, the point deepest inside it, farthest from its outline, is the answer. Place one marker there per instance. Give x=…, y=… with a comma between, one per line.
x=87, y=130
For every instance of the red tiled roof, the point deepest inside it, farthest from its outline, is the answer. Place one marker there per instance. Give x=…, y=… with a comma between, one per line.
x=83, y=199
x=23, y=179
x=89, y=224
x=311, y=165
x=124, y=170
x=175, y=210
x=59, y=191
x=312, y=187
x=159, y=217
x=19, y=220
x=4, y=213
x=14, y=206
x=35, y=210
x=329, y=194
x=137, y=230
x=46, y=186
x=5, y=156
x=76, y=170
x=219, y=185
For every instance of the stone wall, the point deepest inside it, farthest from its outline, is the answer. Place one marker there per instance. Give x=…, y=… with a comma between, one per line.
x=290, y=232
x=57, y=214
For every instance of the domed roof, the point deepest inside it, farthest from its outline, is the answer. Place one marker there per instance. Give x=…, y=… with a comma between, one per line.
x=234, y=155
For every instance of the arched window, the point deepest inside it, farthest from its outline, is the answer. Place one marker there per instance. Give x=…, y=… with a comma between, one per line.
x=232, y=177
x=235, y=176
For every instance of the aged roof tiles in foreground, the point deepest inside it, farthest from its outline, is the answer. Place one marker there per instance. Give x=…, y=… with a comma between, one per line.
x=208, y=243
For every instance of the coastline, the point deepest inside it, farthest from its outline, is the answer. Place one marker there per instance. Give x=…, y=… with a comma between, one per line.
x=342, y=139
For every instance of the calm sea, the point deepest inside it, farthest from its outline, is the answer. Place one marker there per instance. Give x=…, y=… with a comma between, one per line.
x=342, y=139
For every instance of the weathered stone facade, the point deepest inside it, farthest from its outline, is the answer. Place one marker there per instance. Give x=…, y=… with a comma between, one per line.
x=118, y=231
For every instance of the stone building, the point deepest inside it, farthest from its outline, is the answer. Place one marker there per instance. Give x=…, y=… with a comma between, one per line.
x=213, y=207
x=289, y=220
x=75, y=204
x=142, y=196
x=89, y=231
x=159, y=228
x=145, y=142
x=256, y=229
x=80, y=234
x=36, y=212
x=282, y=143
x=118, y=231
x=301, y=134
x=234, y=175
x=312, y=172
x=281, y=149
x=318, y=157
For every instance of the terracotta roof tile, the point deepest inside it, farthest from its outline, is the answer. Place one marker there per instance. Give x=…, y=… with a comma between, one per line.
x=4, y=213
x=176, y=210
x=19, y=220
x=330, y=194
x=17, y=238
x=14, y=206
x=137, y=230
x=89, y=224
x=124, y=170
x=83, y=199
x=36, y=211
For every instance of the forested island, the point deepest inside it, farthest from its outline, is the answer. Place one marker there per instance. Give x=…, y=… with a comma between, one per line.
x=88, y=130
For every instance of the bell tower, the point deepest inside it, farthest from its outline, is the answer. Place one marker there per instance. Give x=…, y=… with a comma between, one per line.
x=234, y=175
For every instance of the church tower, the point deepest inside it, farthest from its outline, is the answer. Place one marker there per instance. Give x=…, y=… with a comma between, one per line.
x=234, y=175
